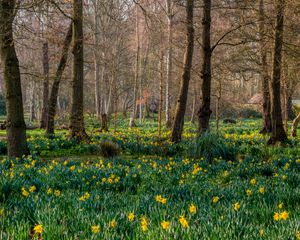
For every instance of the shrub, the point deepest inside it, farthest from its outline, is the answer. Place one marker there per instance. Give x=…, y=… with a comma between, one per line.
x=249, y=113
x=109, y=149
x=3, y=148
x=213, y=146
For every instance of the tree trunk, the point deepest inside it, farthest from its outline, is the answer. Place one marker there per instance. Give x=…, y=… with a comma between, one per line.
x=97, y=67
x=136, y=77
x=55, y=87
x=160, y=91
x=278, y=133
x=266, y=111
x=193, y=109
x=295, y=125
x=169, y=61
x=205, y=111
x=184, y=87
x=15, y=124
x=77, y=129
x=45, y=103
x=32, y=115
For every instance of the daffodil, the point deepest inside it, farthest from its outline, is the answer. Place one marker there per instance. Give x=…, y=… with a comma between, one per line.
x=261, y=190
x=131, y=216
x=193, y=208
x=38, y=229
x=215, y=199
x=57, y=193
x=95, y=229
x=144, y=224
x=32, y=188
x=160, y=199
x=24, y=192
x=165, y=225
x=113, y=223
x=183, y=221
x=236, y=206
x=253, y=181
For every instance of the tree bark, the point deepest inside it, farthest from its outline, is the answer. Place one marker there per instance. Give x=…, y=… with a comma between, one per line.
x=278, y=133
x=266, y=106
x=77, y=129
x=136, y=77
x=16, y=128
x=205, y=111
x=97, y=66
x=55, y=87
x=32, y=114
x=295, y=125
x=184, y=87
x=169, y=61
x=161, y=62
x=45, y=107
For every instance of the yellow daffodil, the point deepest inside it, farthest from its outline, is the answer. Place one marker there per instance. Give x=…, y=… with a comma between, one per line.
x=193, y=208
x=38, y=229
x=183, y=221
x=160, y=199
x=165, y=225
x=253, y=181
x=32, y=188
x=236, y=206
x=113, y=223
x=57, y=193
x=131, y=216
x=95, y=229
x=24, y=192
x=215, y=199
x=261, y=190
x=144, y=224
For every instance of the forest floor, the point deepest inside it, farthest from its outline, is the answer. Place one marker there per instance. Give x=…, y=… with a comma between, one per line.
x=226, y=186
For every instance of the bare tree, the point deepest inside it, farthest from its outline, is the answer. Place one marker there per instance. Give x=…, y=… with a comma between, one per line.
x=177, y=128
x=55, y=86
x=205, y=111
x=266, y=111
x=15, y=124
x=278, y=132
x=77, y=119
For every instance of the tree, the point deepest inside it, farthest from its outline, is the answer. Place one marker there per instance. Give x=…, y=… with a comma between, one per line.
x=57, y=79
x=137, y=69
x=205, y=111
x=46, y=75
x=184, y=87
x=15, y=124
x=278, y=132
x=266, y=111
x=170, y=16
x=77, y=119
x=295, y=125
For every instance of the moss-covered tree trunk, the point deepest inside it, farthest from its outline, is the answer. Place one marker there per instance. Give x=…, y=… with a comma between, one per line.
x=16, y=128
x=77, y=119
x=278, y=132
x=56, y=83
x=184, y=87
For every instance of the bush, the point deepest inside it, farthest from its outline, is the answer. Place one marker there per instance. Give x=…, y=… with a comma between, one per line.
x=3, y=148
x=109, y=149
x=213, y=146
x=249, y=113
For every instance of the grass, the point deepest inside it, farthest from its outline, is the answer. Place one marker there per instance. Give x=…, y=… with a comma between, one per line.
x=74, y=191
